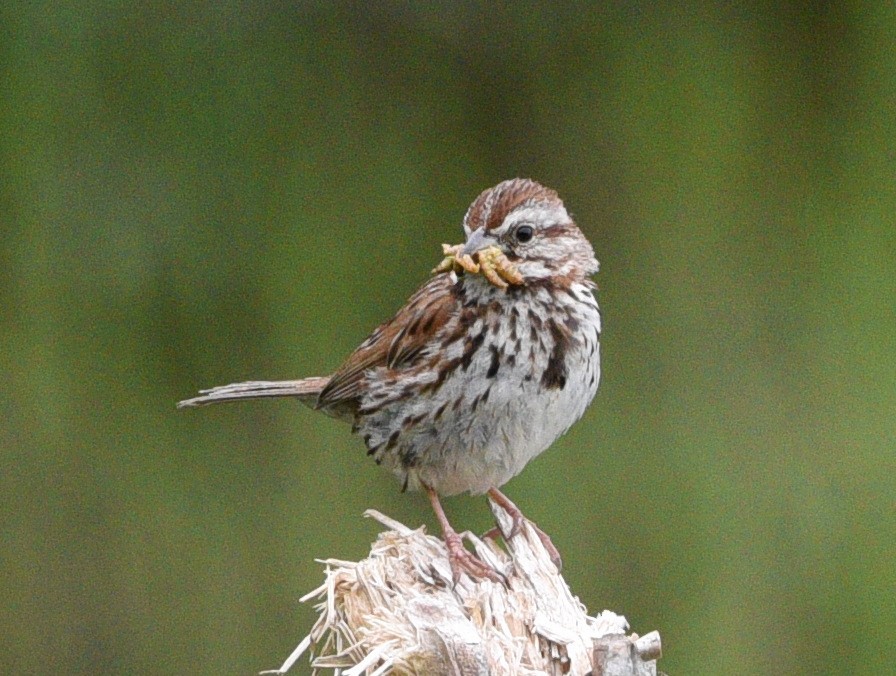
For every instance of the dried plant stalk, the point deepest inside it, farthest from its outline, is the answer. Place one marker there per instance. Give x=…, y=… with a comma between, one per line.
x=398, y=612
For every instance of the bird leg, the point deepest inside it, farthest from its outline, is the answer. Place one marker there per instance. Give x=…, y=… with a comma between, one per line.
x=517, y=516
x=460, y=558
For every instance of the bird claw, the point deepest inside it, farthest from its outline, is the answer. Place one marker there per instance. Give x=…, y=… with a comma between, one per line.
x=492, y=533
x=516, y=524
x=463, y=561
x=550, y=548
x=491, y=262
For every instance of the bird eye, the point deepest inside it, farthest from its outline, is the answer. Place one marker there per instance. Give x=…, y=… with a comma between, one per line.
x=524, y=233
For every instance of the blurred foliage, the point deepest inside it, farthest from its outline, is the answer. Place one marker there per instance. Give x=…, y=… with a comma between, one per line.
x=198, y=193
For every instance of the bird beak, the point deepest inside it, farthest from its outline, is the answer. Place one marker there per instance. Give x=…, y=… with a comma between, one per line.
x=476, y=242
x=490, y=261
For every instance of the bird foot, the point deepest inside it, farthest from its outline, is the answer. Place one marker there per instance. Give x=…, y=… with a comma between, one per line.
x=544, y=538
x=463, y=560
x=460, y=558
x=517, y=520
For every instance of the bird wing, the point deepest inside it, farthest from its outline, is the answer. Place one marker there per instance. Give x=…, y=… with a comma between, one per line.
x=395, y=344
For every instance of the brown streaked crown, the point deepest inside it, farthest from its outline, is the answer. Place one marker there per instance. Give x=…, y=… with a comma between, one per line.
x=493, y=205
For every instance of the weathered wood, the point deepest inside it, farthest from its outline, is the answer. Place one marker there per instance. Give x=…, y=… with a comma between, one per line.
x=620, y=655
x=398, y=611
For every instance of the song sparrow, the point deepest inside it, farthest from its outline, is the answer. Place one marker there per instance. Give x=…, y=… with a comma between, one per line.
x=478, y=373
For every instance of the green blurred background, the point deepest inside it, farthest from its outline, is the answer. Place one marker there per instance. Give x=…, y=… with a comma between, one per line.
x=198, y=193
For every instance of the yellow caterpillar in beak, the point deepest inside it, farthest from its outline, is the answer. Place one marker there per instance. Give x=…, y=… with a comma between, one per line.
x=490, y=262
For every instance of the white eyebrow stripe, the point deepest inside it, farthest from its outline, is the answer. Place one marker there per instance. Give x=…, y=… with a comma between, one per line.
x=540, y=215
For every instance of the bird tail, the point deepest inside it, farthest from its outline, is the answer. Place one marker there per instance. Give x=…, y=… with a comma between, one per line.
x=306, y=391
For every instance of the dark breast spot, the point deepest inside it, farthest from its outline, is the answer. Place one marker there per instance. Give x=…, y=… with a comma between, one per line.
x=496, y=362
x=535, y=320
x=475, y=404
x=556, y=373
x=439, y=412
x=393, y=439
x=470, y=348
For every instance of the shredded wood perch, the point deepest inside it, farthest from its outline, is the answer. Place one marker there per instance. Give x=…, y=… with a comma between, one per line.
x=397, y=612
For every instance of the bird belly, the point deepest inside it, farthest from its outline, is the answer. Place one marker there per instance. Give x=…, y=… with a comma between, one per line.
x=518, y=421
x=476, y=431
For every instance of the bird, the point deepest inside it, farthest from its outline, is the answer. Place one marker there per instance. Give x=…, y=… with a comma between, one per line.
x=492, y=359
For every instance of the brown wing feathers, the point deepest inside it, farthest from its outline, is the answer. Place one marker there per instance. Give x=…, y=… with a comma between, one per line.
x=394, y=344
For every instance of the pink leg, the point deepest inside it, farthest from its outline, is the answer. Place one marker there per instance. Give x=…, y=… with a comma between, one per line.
x=460, y=558
x=517, y=516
